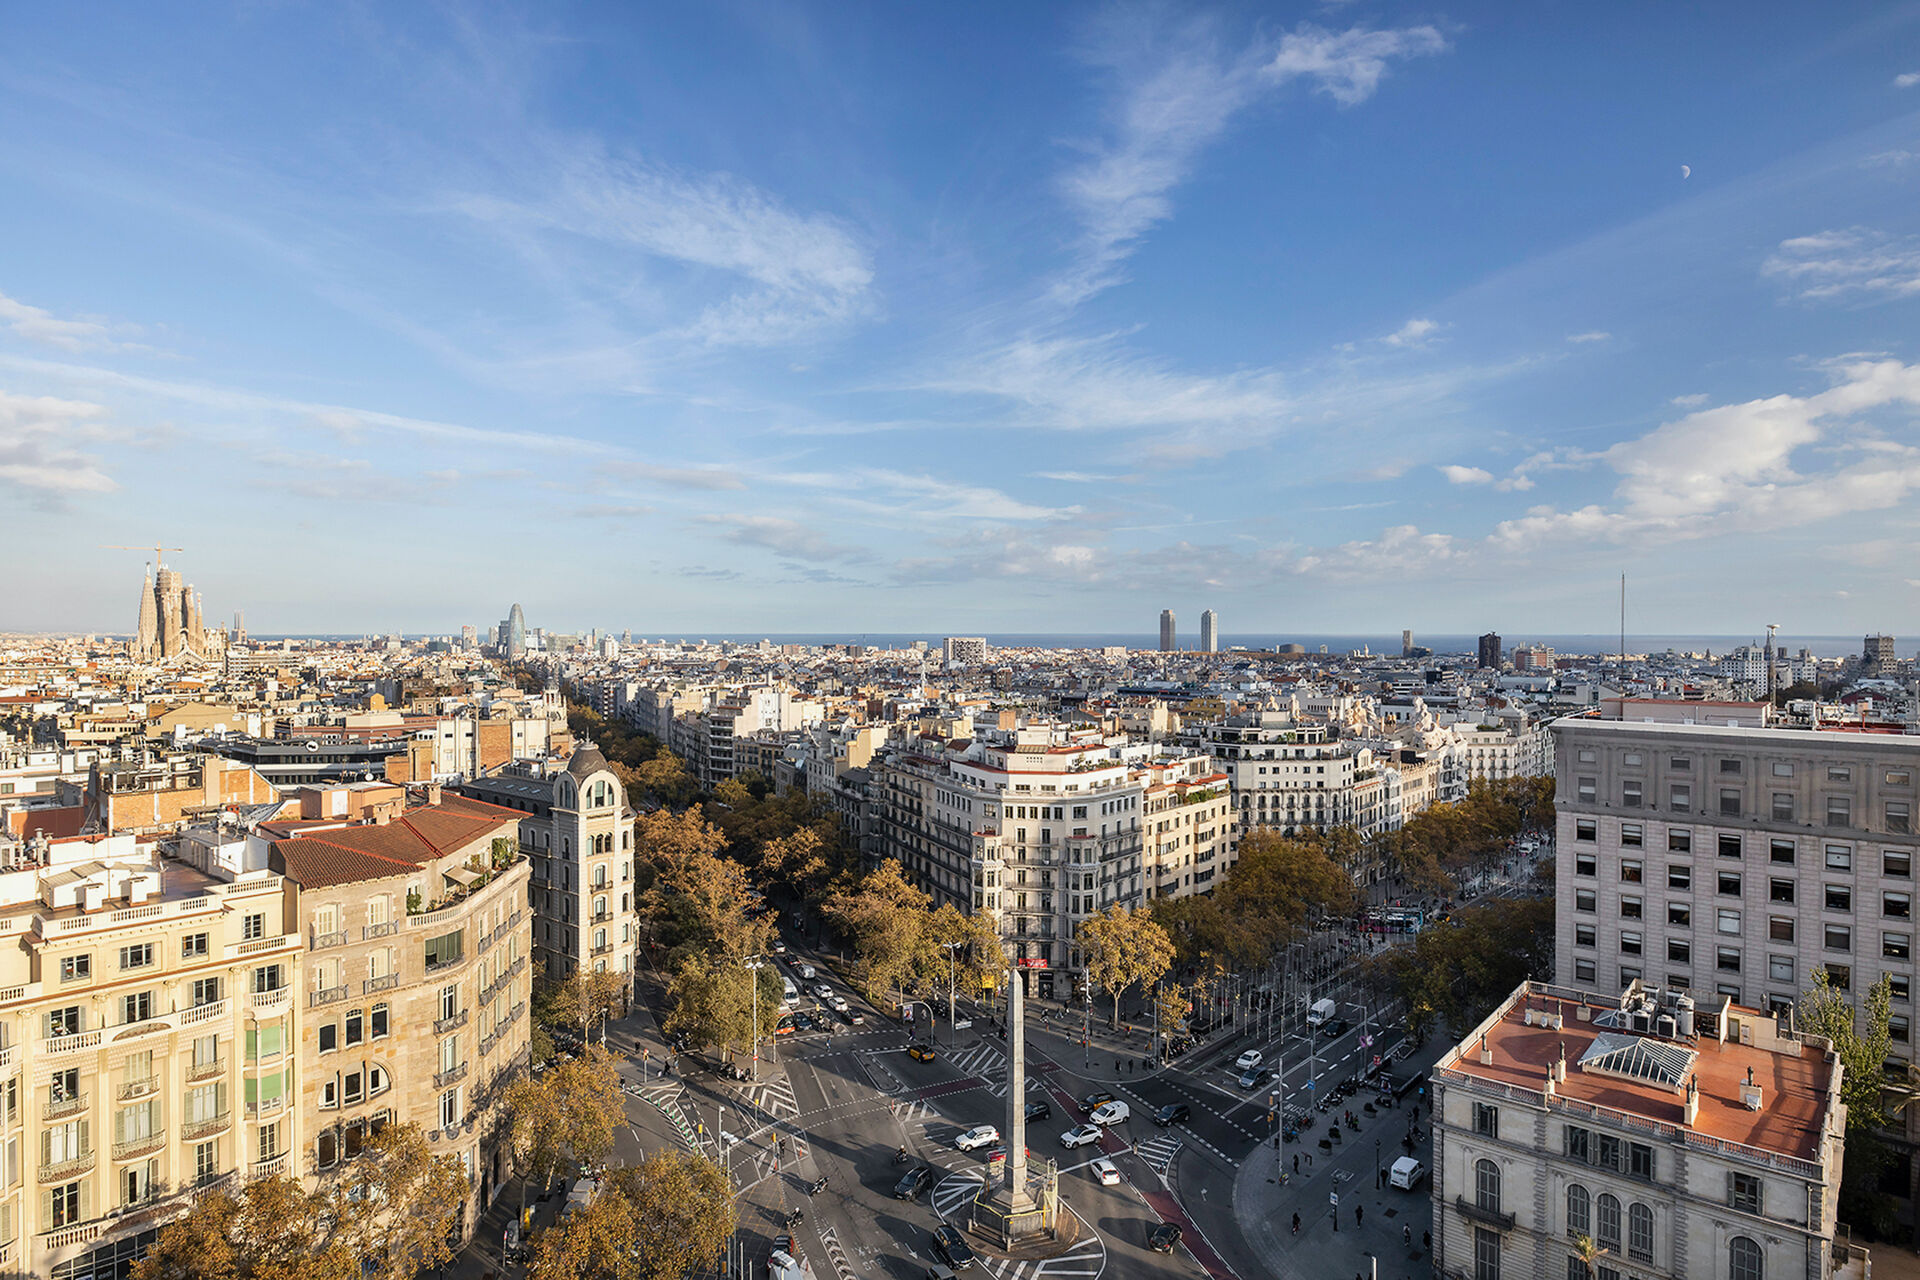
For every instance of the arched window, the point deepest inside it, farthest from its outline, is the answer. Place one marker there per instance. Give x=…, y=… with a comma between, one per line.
x=1579, y=1211
x=1640, y=1232
x=1607, y=1224
x=1744, y=1261
x=1486, y=1185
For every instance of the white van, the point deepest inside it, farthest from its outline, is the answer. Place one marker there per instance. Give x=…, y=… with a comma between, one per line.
x=1406, y=1174
x=793, y=993
x=1319, y=1014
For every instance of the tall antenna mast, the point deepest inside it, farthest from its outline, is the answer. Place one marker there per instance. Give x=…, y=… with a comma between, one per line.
x=1623, y=626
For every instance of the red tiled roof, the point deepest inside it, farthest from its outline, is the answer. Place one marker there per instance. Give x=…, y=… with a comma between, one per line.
x=373, y=851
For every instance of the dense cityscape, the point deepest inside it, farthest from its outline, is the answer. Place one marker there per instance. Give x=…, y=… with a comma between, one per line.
x=1109, y=640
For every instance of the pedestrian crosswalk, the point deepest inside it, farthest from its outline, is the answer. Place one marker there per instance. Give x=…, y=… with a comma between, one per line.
x=775, y=1097
x=1159, y=1151
x=981, y=1059
x=956, y=1191
x=1087, y=1258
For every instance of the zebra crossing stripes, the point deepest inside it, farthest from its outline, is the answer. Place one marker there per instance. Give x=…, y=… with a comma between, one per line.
x=775, y=1097
x=956, y=1191
x=1087, y=1258
x=831, y=1240
x=979, y=1059
x=918, y=1110
x=1160, y=1151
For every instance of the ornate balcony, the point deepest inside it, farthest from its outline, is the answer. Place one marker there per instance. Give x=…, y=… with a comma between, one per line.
x=371, y=931
x=134, y=1089
x=204, y=1013
x=452, y=1076
x=321, y=941
x=386, y=982
x=328, y=996
x=133, y=1148
x=445, y=1025
x=60, y=1170
x=59, y=1107
x=273, y=1001
x=194, y=1130
x=206, y=1070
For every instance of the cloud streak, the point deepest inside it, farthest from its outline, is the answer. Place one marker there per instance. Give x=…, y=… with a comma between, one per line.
x=1856, y=263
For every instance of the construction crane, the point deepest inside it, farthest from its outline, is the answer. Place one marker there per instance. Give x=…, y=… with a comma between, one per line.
x=158, y=551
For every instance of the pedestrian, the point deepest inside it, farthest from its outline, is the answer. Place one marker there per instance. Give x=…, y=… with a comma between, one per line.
x=1359, y=1212
x=1336, y=1221
x=1406, y=1234
x=1296, y=1162
x=1426, y=1240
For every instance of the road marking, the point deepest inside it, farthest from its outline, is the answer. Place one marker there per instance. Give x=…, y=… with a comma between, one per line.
x=831, y=1241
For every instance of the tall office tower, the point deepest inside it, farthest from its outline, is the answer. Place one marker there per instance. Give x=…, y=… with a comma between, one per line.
x=1167, y=636
x=1878, y=653
x=516, y=633
x=1406, y=644
x=1210, y=632
x=1490, y=650
x=965, y=649
x=469, y=638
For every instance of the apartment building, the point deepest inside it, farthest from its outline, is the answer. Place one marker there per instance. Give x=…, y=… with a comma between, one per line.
x=147, y=1034
x=1290, y=774
x=1191, y=826
x=1036, y=829
x=1685, y=1139
x=577, y=831
x=414, y=992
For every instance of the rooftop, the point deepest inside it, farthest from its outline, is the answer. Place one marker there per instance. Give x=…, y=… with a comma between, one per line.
x=376, y=850
x=1644, y=1076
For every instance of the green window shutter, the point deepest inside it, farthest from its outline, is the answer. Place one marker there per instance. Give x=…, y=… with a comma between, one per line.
x=253, y=1088
x=253, y=1044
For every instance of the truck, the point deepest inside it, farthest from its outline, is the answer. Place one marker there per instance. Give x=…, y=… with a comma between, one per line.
x=1319, y=1014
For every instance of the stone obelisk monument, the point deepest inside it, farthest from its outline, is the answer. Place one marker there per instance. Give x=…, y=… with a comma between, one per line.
x=1009, y=1213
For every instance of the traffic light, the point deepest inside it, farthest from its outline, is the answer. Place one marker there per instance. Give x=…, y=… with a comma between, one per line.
x=1269, y=1116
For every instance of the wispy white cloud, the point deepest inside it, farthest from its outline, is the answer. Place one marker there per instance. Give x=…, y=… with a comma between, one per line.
x=1414, y=333
x=1456, y=474
x=783, y=536
x=1591, y=335
x=37, y=434
x=1693, y=401
x=1856, y=262
x=1178, y=88
x=36, y=324
x=1906, y=80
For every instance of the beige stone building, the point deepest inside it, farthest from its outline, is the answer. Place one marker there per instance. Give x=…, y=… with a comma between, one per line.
x=414, y=982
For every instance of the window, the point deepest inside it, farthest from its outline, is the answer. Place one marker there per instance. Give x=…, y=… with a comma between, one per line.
x=1632, y=835
x=1840, y=977
x=1899, y=778
x=1486, y=1254
x=1897, y=863
x=1839, y=937
x=449, y=1002
x=1486, y=1120
x=1584, y=935
x=1780, y=968
x=1679, y=764
x=1897, y=946
x=1783, y=806
x=1780, y=891
x=1839, y=857
x=377, y=1081
x=1897, y=1028
x=1780, y=928
x=76, y=968
x=1583, y=970
x=64, y=1086
x=265, y=1042
x=63, y=1205
x=1586, y=829
x=1839, y=811
x=193, y=947
x=1728, y=960
x=206, y=1162
x=1629, y=908
x=1781, y=851
x=1899, y=816
x=329, y=1094
x=1728, y=920
x=1606, y=1221
x=1896, y=906
x=137, y=1007
x=1486, y=1185
x=1640, y=1232
x=1680, y=797
x=65, y=1022
x=1586, y=791
x=449, y=1108
x=1839, y=773
x=327, y=1150
x=329, y=1036
x=1730, y=883
x=1585, y=864
x=1579, y=1142
x=353, y=1088
x=137, y=956
x=1902, y=986
x=267, y=978
x=1583, y=900
x=1630, y=794
x=205, y=991
x=356, y=1028
x=254, y=926
x=269, y=1141
x=1629, y=942
x=1729, y=802
x=1679, y=840
x=1839, y=897
x=1679, y=951
x=1679, y=913
x=445, y=949
x=1731, y=767
x=1729, y=845
x=1631, y=872
x=1579, y=1211
x=1744, y=1260
x=379, y=1021
x=1679, y=876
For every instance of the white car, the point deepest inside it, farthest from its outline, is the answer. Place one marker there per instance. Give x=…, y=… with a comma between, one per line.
x=839, y=1003
x=824, y=991
x=805, y=971
x=981, y=1135
x=1107, y=1172
x=1080, y=1136
x=1247, y=1061
x=1111, y=1113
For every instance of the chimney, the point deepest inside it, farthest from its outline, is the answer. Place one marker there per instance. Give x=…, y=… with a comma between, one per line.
x=1750, y=1093
x=1486, y=1052
x=433, y=794
x=1691, y=1109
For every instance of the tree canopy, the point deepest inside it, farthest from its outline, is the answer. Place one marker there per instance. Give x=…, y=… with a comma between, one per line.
x=666, y=1218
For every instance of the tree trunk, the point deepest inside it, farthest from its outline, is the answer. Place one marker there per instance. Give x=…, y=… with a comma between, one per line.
x=1115, y=1026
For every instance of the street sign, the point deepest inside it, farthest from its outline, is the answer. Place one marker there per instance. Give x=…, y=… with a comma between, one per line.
x=1030, y=963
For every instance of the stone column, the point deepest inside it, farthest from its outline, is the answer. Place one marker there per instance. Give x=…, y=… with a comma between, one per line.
x=1014, y=1186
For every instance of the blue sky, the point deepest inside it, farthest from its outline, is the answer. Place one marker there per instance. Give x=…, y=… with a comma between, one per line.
x=785, y=317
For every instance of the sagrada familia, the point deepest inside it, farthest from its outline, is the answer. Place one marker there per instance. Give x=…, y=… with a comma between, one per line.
x=170, y=622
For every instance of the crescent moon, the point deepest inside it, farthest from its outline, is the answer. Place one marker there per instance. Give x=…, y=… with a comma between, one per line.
x=1686, y=171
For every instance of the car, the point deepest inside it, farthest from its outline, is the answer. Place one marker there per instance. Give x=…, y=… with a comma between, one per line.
x=1080, y=1136
x=1038, y=1111
x=981, y=1135
x=779, y=947
x=1164, y=1237
x=952, y=1246
x=1251, y=1079
x=837, y=1003
x=914, y=1183
x=1247, y=1061
x=1173, y=1113
x=1406, y=1174
x=1106, y=1172
x=1334, y=1028
x=824, y=991
x=921, y=1052
x=1098, y=1098
x=802, y=1020
x=1111, y=1113
x=806, y=972
x=939, y=1271
x=998, y=1156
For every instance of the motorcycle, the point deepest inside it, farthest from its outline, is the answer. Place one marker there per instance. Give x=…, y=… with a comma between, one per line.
x=900, y=1156
x=819, y=1185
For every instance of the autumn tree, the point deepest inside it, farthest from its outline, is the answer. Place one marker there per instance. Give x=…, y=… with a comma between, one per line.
x=569, y=1110
x=713, y=996
x=885, y=916
x=589, y=994
x=1457, y=972
x=696, y=899
x=1124, y=947
x=1170, y=1005
x=398, y=1204
x=668, y=1217
x=270, y=1230
x=1280, y=884
x=1862, y=1039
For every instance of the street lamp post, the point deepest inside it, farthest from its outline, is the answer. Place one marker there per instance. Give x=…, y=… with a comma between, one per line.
x=1379, y=1175
x=753, y=965
x=952, y=983
x=1086, y=1030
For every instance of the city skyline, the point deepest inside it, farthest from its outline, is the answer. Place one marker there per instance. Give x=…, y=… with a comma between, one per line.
x=1334, y=323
